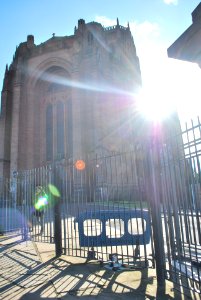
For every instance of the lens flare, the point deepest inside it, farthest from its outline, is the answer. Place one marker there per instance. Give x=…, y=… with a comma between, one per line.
x=41, y=203
x=54, y=190
x=80, y=165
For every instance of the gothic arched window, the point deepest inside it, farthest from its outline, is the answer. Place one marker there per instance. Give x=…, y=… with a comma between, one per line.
x=60, y=130
x=90, y=38
x=49, y=132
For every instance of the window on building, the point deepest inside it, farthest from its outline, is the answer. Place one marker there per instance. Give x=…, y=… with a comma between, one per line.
x=90, y=38
x=49, y=132
x=60, y=130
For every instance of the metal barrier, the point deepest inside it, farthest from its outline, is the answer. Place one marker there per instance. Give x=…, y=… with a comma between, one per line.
x=96, y=233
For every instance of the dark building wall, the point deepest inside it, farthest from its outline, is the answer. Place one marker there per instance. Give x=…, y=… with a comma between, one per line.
x=187, y=46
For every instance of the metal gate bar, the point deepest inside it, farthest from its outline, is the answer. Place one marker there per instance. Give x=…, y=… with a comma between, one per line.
x=181, y=206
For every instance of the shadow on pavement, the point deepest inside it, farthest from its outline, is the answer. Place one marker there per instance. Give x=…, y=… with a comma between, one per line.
x=68, y=281
x=24, y=276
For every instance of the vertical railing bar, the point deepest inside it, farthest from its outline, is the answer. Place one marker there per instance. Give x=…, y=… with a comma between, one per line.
x=192, y=214
x=125, y=209
x=70, y=200
x=196, y=207
x=122, y=176
x=33, y=203
x=133, y=167
x=71, y=237
x=177, y=211
x=49, y=218
x=133, y=170
x=172, y=245
x=142, y=186
x=178, y=185
x=100, y=200
x=107, y=165
x=96, y=202
x=141, y=209
x=155, y=185
x=166, y=221
x=118, y=196
x=65, y=202
x=111, y=204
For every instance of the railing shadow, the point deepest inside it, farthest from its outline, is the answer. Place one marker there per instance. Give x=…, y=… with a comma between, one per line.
x=24, y=276
x=58, y=278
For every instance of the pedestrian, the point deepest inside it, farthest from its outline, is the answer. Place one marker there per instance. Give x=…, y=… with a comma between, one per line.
x=40, y=200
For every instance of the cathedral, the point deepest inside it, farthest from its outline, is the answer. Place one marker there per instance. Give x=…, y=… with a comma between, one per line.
x=68, y=97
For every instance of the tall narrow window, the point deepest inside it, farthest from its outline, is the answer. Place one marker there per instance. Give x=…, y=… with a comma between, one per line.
x=49, y=132
x=60, y=130
x=90, y=38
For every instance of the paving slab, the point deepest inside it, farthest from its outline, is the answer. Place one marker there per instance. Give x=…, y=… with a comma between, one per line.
x=30, y=270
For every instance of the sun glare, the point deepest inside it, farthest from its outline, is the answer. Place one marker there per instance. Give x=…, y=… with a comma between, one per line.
x=186, y=88
x=154, y=105
x=168, y=87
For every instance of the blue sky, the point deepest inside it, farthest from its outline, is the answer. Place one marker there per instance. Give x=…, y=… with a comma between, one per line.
x=155, y=25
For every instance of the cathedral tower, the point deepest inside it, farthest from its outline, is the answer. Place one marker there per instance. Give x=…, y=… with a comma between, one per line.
x=68, y=96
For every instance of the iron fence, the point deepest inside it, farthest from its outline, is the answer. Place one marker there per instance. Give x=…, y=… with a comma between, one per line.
x=181, y=207
x=141, y=206
x=101, y=209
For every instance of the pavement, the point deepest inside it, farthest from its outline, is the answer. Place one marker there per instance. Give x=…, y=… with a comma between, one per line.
x=30, y=271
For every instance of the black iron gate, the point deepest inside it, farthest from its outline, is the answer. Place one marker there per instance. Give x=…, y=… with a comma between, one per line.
x=179, y=199
x=140, y=207
x=92, y=208
x=106, y=211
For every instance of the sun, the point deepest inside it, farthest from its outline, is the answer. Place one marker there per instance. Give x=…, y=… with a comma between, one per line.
x=153, y=104
x=171, y=86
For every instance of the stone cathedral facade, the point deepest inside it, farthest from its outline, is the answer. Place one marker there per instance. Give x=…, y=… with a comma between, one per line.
x=68, y=97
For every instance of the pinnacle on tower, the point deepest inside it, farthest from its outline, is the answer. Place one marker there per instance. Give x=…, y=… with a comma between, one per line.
x=5, y=81
x=117, y=21
x=30, y=41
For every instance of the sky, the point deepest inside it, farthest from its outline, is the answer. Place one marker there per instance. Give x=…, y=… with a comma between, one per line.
x=155, y=25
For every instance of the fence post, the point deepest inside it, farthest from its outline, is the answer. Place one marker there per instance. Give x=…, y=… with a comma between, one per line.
x=13, y=184
x=155, y=203
x=57, y=212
